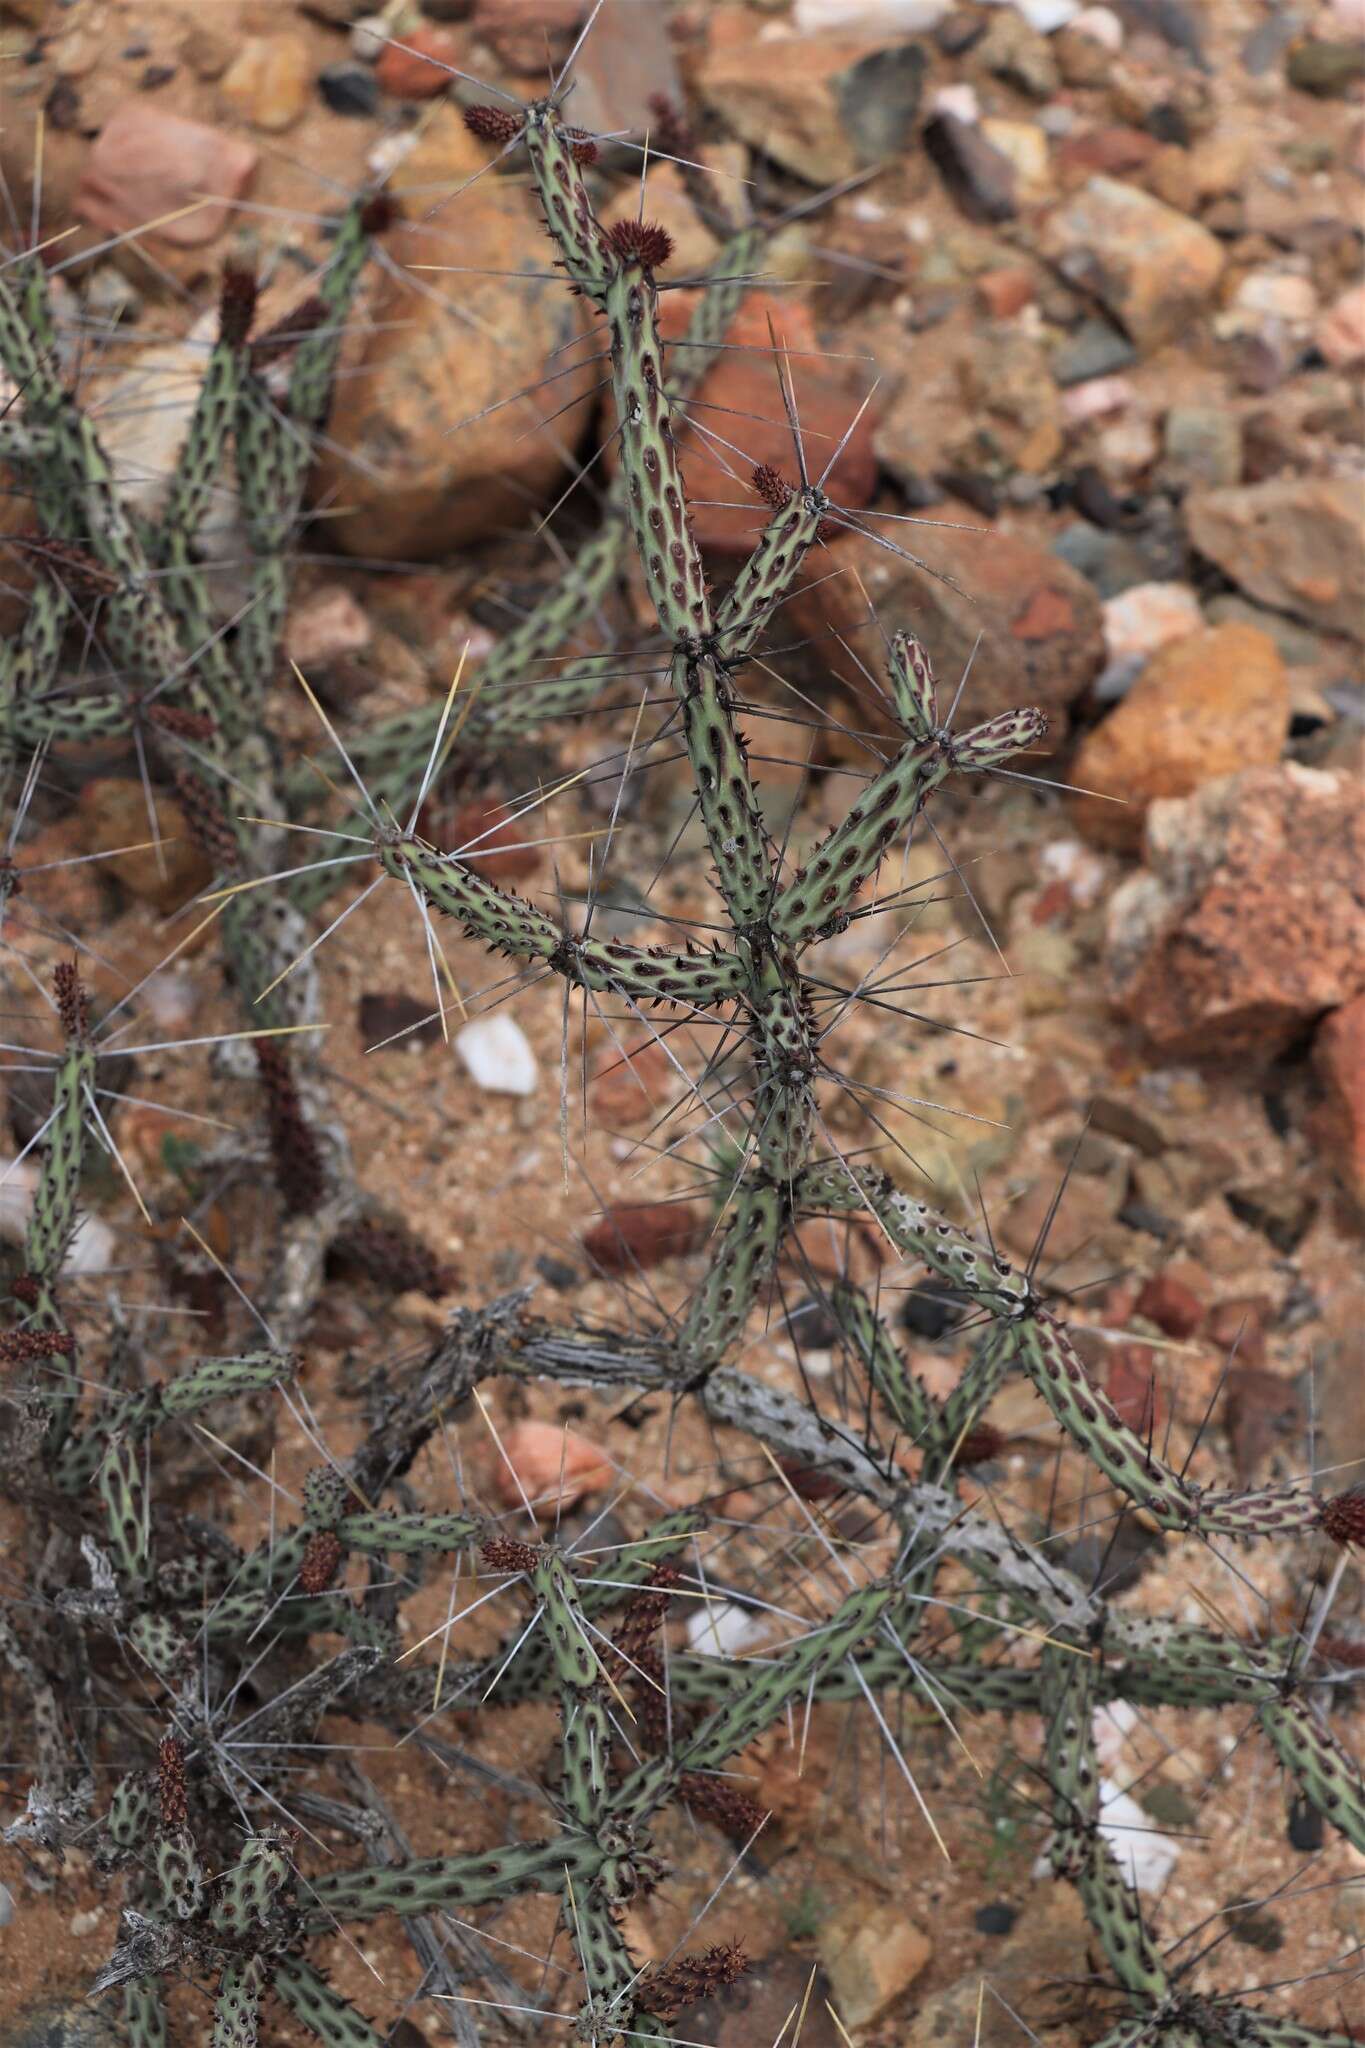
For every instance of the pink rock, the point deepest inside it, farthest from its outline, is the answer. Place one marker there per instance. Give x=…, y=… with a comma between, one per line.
x=553, y=1468
x=147, y=163
x=1340, y=333
x=1097, y=397
x=1339, y=1125
x=632, y=1235
x=1148, y=616
x=326, y=627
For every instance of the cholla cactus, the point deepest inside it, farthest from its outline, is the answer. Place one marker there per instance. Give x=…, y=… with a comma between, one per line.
x=225, y=1641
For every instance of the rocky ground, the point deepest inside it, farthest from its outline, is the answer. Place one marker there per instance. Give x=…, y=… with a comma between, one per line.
x=1099, y=270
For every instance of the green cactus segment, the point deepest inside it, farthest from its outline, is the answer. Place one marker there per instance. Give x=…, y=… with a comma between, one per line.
x=179, y=1873
x=510, y=925
x=64, y=719
x=739, y=1269
x=575, y=1660
x=919, y=1232
x=912, y=1408
x=1166, y=1662
x=438, y=1882
x=129, y=1817
x=824, y=889
x=28, y=661
x=1068, y=1686
x=998, y=741
x=133, y=1416
x=217, y=1379
x=144, y=2016
x=668, y=550
x=729, y=811
x=1245, y=2028
x=311, y=1999
x=981, y=1376
x=202, y=456
x=126, y=1507
x=913, y=691
x=1273, y=1511
x=1115, y=1912
x=237, y=2008
x=52, y=1224
x=1049, y=1358
x=156, y=1639
x=1322, y=1770
x=609, y=1975
x=245, y=1895
x=564, y=201
x=409, y=1535
x=317, y=350
x=730, y=276
x=769, y=573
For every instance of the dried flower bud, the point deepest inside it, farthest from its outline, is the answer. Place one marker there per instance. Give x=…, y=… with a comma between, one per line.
x=979, y=1446
x=66, y=561
x=493, y=124
x=27, y=1289
x=288, y=332
x=582, y=148
x=393, y=1258
x=723, y=1801
x=27, y=1347
x=175, y=1805
x=505, y=1554
x=320, y=1561
x=73, y=1007
x=298, y=1162
x=688, y=1979
x=642, y=242
x=1343, y=1517
x=236, y=304
x=379, y=213
x=771, y=486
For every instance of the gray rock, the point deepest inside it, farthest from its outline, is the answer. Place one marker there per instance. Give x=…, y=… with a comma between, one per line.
x=1016, y=53
x=878, y=100
x=61, y=2023
x=1110, y=561
x=1096, y=349
x=979, y=176
x=1298, y=647
x=1202, y=447
x=1295, y=543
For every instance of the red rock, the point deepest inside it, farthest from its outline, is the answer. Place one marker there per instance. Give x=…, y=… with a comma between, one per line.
x=631, y=1083
x=1005, y=292
x=835, y=1248
x=1133, y=1390
x=1257, y=1403
x=1205, y=705
x=112, y=815
x=1153, y=268
x=1171, y=1303
x=1339, y=1124
x=1048, y=612
x=1109, y=150
x=640, y=1234
x=750, y=417
x=417, y=64
x=553, y=1468
x=146, y=164
x=1249, y=919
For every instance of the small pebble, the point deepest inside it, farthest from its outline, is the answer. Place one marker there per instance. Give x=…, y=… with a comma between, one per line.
x=349, y=90
x=498, y=1056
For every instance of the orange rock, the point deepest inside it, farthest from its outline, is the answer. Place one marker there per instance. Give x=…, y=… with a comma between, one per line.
x=496, y=838
x=146, y=164
x=1340, y=333
x=553, y=1468
x=1169, y=1301
x=1007, y=291
x=270, y=81
x=1339, y=1125
x=633, y=1234
x=417, y=64
x=836, y=1248
x=113, y=820
x=1206, y=705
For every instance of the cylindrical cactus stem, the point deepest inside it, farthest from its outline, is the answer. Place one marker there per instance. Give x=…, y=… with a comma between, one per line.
x=585, y=1738
x=912, y=1408
x=1114, y=1911
x=771, y=570
x=217, y=1379
x=144, y=2015
x=437, y=1882
x=126, y=1507
x=609, y=1974
x=510, y=925
x=913, y=691
x=52, y=1223
x=201, y=457
x=245, y=1895
x=30, y=657
x=919, y=1232
x=982, y=1374
x=409, y=1535
x=237, y=2007
x=729, y=810
x=128, y=1818
x=825, y=888
x=311, y=1999
x=156, y=1639
x=1323, y=1771
x=179, y=1873
x=740, y=1267
x=1070, y=1764
x=557, y=159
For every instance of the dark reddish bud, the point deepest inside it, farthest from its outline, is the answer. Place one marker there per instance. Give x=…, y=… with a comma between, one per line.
x=379, y=213
x=207, y=820
x=1341, y=1650
x=505, y=1554
x=236, y=304
x=298, y=1162
x=73, y=1007
x=320, y=1561
x=26, y=1347
x=771, y=486
x=669, y=128
x=170, y=1783
x=641, y=241
x=288, y=332
x=808, y=1481
x=26, y=1289
x=979, y=1446
x=65, y=560
x=582, y=148
x=493, y=124
x=179, y=721
x=393, y=1258
x=688, y=1979
x=723, y=1802
x=1343, y=1518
